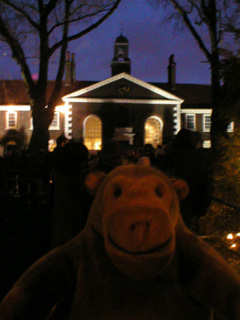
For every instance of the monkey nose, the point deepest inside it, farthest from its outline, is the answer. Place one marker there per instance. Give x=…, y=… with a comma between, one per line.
x=139, y=231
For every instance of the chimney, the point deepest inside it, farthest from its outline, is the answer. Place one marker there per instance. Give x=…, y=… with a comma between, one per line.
x=73, y=69
x=172, y=73
x=68, y=70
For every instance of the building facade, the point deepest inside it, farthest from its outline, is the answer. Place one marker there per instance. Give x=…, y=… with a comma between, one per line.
x=121, y=107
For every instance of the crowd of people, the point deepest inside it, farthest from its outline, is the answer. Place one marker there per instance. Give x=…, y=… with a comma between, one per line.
x=61, y=174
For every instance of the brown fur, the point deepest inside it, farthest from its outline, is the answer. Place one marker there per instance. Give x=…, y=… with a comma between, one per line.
x=134, y=260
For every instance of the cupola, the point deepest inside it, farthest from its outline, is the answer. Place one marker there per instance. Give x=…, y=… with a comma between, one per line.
x=121, y=62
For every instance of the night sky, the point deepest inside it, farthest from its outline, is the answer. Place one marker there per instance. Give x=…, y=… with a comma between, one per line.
x=150, y=45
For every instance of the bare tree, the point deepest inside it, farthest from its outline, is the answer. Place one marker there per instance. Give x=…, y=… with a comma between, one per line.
x=206, y=20
x=42, y=29
x=232, y=23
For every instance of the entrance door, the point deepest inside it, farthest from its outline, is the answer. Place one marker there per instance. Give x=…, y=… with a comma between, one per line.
x=153, y=131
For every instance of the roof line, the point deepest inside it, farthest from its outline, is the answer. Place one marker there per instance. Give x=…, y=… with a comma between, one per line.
x=127, y=76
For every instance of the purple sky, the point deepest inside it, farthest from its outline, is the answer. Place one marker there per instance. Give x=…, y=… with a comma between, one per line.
x=150, y=45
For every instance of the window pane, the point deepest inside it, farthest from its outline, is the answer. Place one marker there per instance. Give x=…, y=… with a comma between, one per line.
x=190, y=123
x=11, y=119
x=153, y=131
x=207, y=144
x=93, y=133
x=207, y=123
x=55, y=123
x=230, y=127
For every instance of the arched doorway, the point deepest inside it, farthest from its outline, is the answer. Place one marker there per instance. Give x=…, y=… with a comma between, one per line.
x=92, y=133
x=153, y=131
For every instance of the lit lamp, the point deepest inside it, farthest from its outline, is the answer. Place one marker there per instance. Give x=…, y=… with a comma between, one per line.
x=234, y=241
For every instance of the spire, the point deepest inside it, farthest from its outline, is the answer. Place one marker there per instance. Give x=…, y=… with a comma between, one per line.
x=121, y=28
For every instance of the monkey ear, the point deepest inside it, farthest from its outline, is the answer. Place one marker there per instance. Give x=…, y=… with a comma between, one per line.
x=93, y=181
x=181, y=187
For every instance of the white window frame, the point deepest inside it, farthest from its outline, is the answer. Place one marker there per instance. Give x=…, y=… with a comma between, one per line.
x=8, y=115
x=55, y=125
x=230, y=127
x=194, y=121
x=205, y=129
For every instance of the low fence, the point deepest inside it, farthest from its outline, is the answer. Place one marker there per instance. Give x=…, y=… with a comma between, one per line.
x=27, y=189
x=220, y=227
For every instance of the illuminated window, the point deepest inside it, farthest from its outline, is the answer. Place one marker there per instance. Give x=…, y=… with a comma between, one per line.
x=206, y=123
x=11, y=120
x=93, y=133
x=190, y=121
x=153, y=131
x=55, y=125
x=207, y=144
x=51, y=145
x=230, y=127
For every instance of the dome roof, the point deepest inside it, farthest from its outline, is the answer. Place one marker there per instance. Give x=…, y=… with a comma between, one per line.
x=121, y=39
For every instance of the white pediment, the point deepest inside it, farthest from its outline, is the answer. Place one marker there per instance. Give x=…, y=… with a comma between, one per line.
x=160, y=95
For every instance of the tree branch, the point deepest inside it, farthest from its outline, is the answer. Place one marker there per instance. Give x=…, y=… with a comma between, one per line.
x=22, y=12
x=58, y=81
x=50, y=6
x=69, y=21
x=90, y=28
x=17, y=53
x=192, y=29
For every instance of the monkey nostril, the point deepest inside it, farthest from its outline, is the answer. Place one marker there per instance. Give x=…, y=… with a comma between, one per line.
x=158, y=192
x=139, y=232
x=142, y=225
x=117, y=192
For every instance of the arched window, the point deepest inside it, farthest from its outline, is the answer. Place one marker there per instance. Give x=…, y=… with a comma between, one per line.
x=93, y=133
x=153, y=131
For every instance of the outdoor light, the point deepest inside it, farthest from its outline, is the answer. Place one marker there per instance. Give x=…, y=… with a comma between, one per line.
x=63, y=108
x=97, y=145
x=234, y=241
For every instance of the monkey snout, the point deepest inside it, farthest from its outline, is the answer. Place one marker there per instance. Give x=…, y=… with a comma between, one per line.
x=139, y=237
x=134, y=231
x=139, y=231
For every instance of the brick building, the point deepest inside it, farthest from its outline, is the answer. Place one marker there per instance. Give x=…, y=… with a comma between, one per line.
x=121, y=107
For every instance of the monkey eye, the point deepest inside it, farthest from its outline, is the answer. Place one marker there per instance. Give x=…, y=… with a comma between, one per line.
x=117, y=192
x=159, y=192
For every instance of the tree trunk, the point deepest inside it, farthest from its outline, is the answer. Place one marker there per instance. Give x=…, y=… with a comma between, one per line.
x=40, y=135
x=216, y=129
x=218, y=119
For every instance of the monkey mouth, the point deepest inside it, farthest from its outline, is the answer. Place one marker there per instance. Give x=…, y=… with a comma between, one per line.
x=146, y=252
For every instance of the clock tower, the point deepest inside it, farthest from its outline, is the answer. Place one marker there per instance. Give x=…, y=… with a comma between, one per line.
x=121, y=62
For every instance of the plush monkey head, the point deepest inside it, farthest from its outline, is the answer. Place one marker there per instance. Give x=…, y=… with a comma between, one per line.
x=136, y=211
